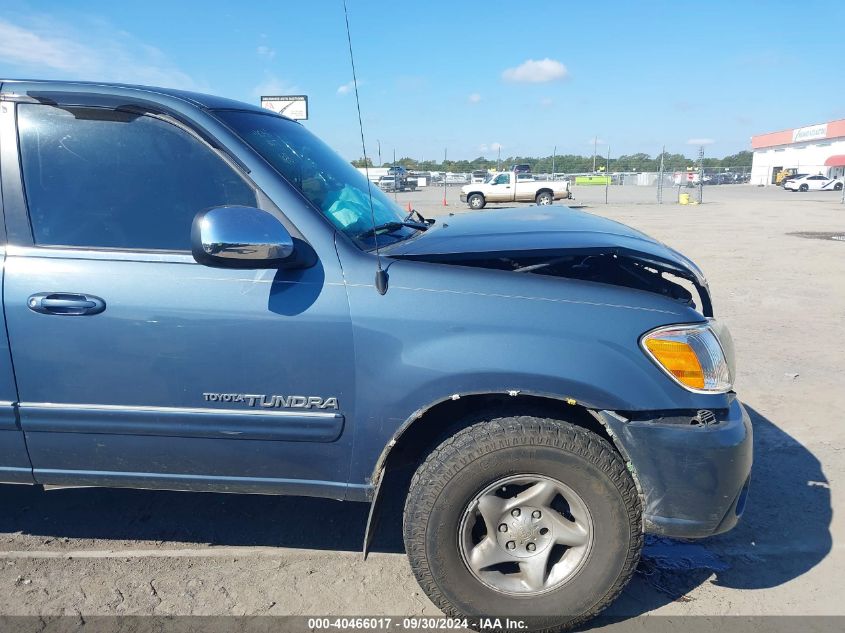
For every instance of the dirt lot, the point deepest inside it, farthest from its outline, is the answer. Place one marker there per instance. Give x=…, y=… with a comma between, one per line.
x=138, y=552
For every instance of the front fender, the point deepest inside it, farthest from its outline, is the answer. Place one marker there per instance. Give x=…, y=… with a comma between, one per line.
x=442, y=330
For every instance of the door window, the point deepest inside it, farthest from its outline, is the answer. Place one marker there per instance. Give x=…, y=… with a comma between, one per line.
x=102, y=178
x=502, y=179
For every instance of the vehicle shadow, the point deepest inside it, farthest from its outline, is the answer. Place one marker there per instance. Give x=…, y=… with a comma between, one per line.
x=136, y=518
x=783, y=533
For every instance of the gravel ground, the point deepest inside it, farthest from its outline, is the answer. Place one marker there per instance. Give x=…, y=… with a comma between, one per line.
x=114, y=552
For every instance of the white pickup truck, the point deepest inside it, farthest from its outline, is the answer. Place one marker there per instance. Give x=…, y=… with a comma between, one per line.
x=514, y=187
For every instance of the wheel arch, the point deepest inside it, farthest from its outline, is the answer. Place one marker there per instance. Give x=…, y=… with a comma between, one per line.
x=544, y=190
x=429, y=426
x=476, y=193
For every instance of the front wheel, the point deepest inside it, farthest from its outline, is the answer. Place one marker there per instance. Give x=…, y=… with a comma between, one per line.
x=523, y=517
x=476, y=201
x=545, y=198
x=803, y=188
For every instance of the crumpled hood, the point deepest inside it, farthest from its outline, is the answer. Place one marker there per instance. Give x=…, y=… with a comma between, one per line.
x=536, y=231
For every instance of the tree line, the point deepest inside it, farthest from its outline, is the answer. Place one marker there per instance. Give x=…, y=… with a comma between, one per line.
x=571, y=163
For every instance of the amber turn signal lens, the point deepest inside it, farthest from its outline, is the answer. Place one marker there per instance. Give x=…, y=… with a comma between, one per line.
x=679, y=359
x=692, y=355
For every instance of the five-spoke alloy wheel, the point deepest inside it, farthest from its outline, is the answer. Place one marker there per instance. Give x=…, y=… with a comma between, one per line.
x=523, y=517
x=534, y=522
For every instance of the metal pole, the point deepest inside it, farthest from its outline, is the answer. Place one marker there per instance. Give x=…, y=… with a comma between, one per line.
x=395, y=178
x=554, y=155
x=843, y=188
x=660, y=177
x=607, y=175
x=595, y=149
x=701, y=174
x=444, y=176
x=498, y=157
x=379, y=152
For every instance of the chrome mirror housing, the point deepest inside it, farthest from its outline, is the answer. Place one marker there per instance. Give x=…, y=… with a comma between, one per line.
x=240, y=237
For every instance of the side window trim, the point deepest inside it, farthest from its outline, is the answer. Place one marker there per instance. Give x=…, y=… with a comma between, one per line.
x=21, y=204
x=14, y=207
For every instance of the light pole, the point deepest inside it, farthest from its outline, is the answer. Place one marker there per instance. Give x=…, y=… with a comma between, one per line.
x=554, y=155
x=379, y=152
x=395, y=178
x=660, y=177
x=445, y=204
x=701, y=174
x=701, y=142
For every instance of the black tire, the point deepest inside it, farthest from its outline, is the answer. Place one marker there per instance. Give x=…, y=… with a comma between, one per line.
x=803, y=188
x=837, y=186
x=476, y=201
x=482, y=454
x=545, y=198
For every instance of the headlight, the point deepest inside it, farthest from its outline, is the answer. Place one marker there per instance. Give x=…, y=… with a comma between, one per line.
x=692, y=355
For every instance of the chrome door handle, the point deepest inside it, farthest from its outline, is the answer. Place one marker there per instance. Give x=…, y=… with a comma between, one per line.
x=65, y=303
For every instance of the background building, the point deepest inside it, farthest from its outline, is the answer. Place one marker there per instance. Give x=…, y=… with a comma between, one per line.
x=815, y=149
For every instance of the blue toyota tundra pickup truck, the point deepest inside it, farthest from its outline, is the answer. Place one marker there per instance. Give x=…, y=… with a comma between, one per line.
x=199, y=294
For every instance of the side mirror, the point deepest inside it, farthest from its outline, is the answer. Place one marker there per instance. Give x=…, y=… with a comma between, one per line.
x=240, y=237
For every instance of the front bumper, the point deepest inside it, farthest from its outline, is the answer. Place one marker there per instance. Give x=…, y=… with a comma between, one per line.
x=463, y=197
x=693, y=478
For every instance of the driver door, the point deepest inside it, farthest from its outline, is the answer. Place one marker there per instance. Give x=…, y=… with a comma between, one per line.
x=188, y=377
x=501, y=189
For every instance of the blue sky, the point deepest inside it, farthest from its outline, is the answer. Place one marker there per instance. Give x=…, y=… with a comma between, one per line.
x=470, y=76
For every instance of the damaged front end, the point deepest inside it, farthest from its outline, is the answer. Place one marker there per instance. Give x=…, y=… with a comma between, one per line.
x=692, y=468
x=607, y=266
x=566, y=243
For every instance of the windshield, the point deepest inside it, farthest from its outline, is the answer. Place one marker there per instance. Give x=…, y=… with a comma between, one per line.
x=329, y=182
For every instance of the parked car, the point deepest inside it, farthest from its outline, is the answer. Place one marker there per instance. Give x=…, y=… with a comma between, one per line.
x=722, y=178
x=786, y=179
x=456, y=179
x=814, y=183
x=554, y=390
x=480, y=175
x=397, y=181
x=387, y=183
x=512, y=186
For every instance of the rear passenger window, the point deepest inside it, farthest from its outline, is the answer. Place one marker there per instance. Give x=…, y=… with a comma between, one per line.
x=108, y=179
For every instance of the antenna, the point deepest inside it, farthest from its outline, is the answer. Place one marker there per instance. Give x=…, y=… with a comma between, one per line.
x=381, y=274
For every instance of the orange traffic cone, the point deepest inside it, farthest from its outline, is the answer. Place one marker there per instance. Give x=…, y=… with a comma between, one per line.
x=445, y=204
x=409, y=207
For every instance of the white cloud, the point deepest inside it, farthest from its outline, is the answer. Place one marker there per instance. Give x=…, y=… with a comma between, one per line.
x=700, y=141
x=485, y=148
x=348, y=87
x=39, y=45
x=274, y=86
x=265, y=52
x=536, y=71
x=474, y=97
